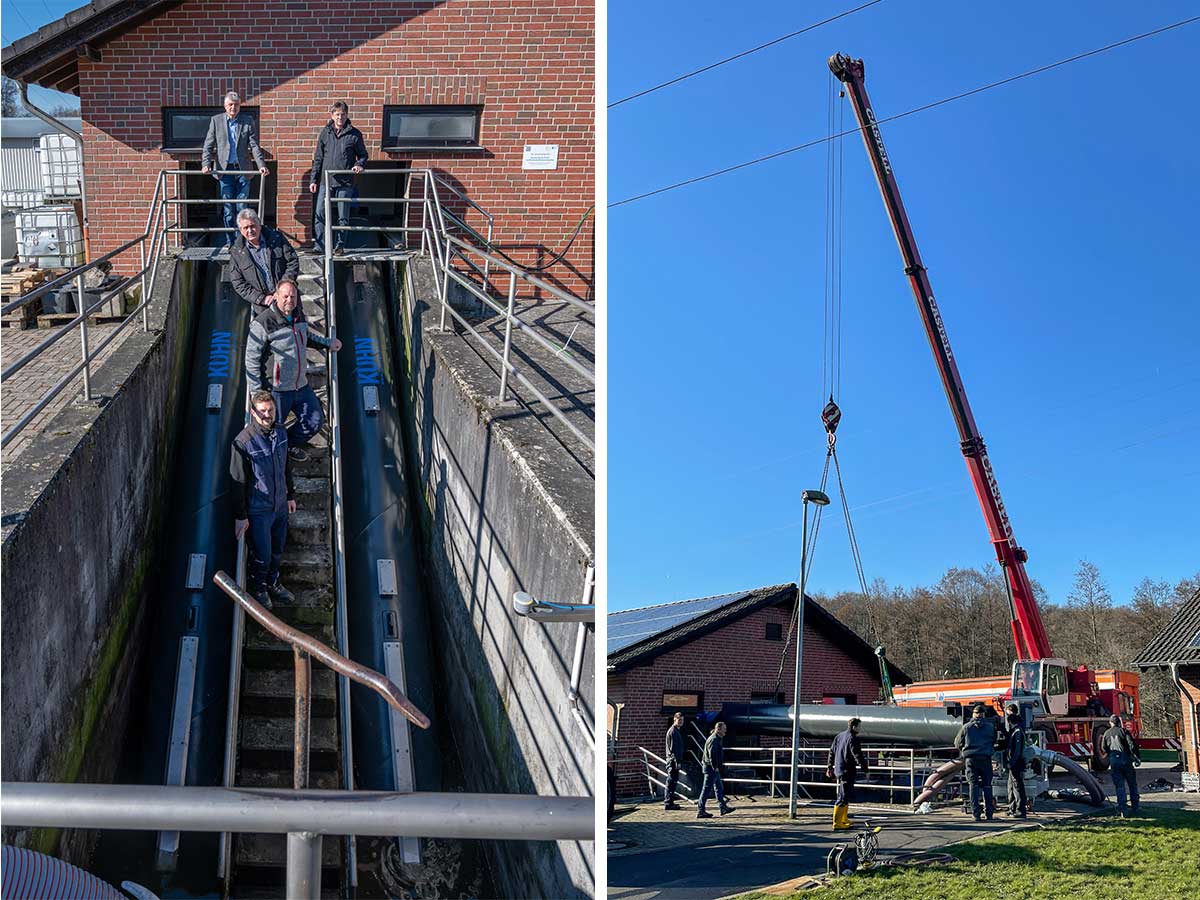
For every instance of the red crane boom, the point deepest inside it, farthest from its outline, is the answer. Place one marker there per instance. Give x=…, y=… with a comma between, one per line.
x=1028, y=632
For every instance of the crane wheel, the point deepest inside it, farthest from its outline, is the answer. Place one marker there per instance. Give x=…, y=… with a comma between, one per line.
x=1099, y=761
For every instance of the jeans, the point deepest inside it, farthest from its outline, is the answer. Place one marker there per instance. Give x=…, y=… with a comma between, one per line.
x=712, y=779
x=233, y=187
x=979, y=776
x=309, y=414
x=1123, y=774
x=265, y=539
x=341, y=214
x=1018, y=802
x=672, y=780
x=845, y=791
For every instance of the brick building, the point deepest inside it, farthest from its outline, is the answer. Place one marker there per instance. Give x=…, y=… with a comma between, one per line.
x=694, y=655
x=148, y=73
x=1177, y=649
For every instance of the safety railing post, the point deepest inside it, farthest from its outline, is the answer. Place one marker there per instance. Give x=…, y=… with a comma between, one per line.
x=508, y=320
x=303, y=718
x=303, y=864
x=445, y=290
x=912, y=776
x=83, y=338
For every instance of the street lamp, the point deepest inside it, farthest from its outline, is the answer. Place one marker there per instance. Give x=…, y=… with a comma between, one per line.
x=820, y=499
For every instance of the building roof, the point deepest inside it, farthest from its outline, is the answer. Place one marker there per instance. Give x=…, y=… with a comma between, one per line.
x=49, y=56
x=27, y=127
x=1179, y=642
x=636, y=636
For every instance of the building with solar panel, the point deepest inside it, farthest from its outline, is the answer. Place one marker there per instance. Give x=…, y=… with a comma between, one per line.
x=691, y=656
x=1177, y=649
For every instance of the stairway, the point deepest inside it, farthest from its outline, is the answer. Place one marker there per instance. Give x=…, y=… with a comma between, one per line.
x=267, y=706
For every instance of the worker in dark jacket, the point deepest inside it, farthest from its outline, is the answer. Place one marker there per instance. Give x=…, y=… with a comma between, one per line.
x=263, y=496
x=714, y=758
x=1014, y=758
x=259, y=259
x=277, y=360
x=846, y=758
x=976, y=742
x=1123, y=757
x=674, y=752
x=339, y=146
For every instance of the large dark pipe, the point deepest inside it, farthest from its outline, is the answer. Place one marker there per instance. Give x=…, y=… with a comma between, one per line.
x=913, y=726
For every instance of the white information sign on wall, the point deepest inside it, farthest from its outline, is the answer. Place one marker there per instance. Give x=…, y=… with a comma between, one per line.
x=540, y=156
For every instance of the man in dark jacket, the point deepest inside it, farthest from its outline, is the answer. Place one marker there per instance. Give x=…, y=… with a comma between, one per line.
x=277, y=360
x=674, y=751
x=339, y=146
x=258, y=260
x=263, y=496
x=1123, y=757
x=976, y=742
x=1014, y=758
x=229, y=145
x=845, y=759
x=714, y=758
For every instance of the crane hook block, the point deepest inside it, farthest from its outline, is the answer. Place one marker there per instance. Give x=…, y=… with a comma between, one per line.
x=830, y=416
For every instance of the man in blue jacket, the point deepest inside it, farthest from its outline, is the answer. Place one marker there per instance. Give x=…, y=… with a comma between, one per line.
x=263, y=496
x=976, y=742
x=846, y=757
x=714, y=758
x=1123, y=757
x=231, y=141
x=339, y=146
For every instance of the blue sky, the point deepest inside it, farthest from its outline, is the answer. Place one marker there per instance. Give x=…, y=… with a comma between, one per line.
x=27, y=16
x=1058, y=219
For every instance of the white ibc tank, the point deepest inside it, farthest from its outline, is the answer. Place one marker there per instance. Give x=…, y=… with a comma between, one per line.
x=49, y=237
x=61, y=165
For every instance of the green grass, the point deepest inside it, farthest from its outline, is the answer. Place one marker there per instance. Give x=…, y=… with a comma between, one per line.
x=1156, y=857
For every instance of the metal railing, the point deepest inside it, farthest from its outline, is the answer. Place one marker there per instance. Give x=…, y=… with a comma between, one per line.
x=304, y=816
x=151, y=244
x=454, y=259
x=656, y=777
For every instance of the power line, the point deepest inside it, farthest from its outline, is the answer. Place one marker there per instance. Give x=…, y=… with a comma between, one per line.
x=21, y=15
x=744, y=53
x=915, y=110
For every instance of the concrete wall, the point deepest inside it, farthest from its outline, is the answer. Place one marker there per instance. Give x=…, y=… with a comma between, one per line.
x=491, y=526
x=81, y=515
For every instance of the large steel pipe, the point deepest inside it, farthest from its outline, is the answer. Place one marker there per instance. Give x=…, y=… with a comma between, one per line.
x=891, y=725
x=510, y=817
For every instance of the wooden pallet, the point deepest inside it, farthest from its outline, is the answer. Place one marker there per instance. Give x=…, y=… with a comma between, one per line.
x=15, y=283
x=53, y=320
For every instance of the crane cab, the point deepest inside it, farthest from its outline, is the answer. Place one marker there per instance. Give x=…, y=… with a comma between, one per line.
x=1045, y=680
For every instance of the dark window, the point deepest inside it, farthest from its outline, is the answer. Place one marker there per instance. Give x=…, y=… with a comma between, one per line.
x=682, y=701
x=766, y=697
x=774, y=631
x=431, y=127
x=184, y=127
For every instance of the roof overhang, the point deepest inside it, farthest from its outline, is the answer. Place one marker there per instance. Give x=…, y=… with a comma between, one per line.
x=50, y=56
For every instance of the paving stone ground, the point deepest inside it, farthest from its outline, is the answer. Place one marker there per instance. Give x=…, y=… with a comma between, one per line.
x=22, y=391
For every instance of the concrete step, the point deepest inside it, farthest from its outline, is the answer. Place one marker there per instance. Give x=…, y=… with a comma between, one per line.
x=278, y=683
x=308, y=525
x=313, y=489
x=317, y=463
x=276, y=760
x=278, y=733
x=271, y=850
x=259, y=637
x=285, y=707
x=306, y=566
x=277, y=778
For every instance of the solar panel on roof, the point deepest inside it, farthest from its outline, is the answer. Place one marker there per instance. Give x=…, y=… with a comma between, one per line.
x=628, y=628
x=1195, y=644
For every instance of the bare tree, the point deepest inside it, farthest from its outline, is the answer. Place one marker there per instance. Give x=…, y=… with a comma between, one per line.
x=1090, y=596
x=12, y=107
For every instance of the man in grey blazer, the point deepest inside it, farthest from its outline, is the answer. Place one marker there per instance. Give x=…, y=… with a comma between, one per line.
x=231, y=137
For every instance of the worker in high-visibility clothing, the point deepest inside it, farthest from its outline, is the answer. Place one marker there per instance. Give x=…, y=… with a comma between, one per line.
x=846, y=758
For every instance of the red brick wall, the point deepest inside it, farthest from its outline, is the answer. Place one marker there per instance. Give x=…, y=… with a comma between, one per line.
x=1188, y=698
x=727, y=665
x=529, y=62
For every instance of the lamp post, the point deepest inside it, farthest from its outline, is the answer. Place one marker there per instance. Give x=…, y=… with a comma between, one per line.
x=820, y=499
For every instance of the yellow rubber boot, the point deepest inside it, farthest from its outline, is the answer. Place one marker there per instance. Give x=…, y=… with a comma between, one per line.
x=846, y=820
x=840, y=818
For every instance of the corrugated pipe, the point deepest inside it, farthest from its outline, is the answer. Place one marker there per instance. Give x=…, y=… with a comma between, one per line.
x=78, y=138
x=28, y=875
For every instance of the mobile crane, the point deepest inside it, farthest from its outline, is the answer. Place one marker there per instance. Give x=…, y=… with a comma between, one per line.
x=1071, y=704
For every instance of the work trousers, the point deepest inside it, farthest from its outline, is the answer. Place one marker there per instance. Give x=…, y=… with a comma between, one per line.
x=265, y=540
x=233, y=187
x=672, y=779
x=341, y=214
x=979, y=777
x=1124, y=775
x=309, y=415
x=845, y=790
x=1018, y=803
x=712, y=779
